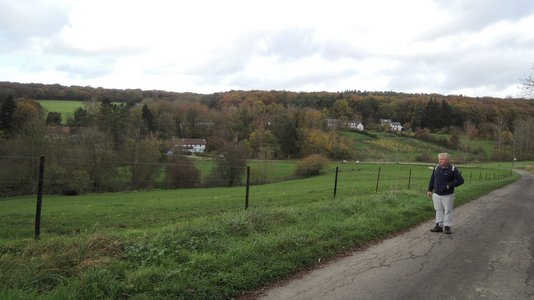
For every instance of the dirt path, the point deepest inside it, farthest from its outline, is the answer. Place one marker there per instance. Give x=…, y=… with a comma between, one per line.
x=490, y=255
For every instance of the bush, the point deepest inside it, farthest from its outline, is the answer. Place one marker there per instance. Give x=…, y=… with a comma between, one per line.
x=182, y=173
x=425, y=157
x=78, y=183
x=311, y=165
x=341, y=151
x=230, y=166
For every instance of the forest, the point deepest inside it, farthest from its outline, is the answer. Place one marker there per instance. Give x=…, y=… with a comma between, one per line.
x=137, y=128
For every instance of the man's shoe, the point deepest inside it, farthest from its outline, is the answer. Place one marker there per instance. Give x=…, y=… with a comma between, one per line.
x=437, y=228
x=447, y=230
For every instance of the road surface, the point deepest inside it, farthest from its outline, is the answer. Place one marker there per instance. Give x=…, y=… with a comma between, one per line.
x=489, y=255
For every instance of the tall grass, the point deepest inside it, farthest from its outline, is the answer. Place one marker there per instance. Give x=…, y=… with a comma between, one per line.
x=201, y=243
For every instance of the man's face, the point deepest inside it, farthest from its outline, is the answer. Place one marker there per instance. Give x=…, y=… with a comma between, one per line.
x=443, y=162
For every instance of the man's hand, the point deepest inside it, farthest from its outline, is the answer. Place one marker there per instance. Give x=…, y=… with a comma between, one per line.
x=429, y=194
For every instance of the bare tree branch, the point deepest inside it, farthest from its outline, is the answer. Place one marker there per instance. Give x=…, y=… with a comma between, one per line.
x=528, y=84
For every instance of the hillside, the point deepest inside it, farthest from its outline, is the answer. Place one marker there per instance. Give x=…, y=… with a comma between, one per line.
x=397, y=148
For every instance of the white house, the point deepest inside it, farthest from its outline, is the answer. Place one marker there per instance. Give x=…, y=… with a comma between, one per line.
x=355, y=125
x=390, y=125
x=352, y=125
x=192, y=145
x=395, y=126
x=385, y=122
x=332, y=123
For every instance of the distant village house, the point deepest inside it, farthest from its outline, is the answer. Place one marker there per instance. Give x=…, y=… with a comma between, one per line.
x=356, y=125
x=351, y=125
x=387, y=124
x=191, y=145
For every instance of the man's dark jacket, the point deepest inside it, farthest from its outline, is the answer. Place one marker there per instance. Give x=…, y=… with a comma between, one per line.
x=444, y=180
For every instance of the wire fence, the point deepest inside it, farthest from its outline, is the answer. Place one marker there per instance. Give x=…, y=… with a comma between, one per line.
x=19, y=175
x=35, y=176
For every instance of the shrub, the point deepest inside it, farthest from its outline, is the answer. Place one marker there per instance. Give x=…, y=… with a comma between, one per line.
x=311, y=165
x=182, y=173
x=341, y=151
x=425, y=157
x=77, y=183
x=230, y=166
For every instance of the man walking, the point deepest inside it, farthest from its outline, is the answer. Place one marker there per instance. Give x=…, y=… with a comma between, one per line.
x=444, y=179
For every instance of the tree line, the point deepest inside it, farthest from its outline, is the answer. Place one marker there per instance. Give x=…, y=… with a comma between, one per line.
x=140, y=131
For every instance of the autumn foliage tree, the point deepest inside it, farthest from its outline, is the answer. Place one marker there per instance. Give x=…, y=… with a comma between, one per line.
x=528, y=84
x=6, y=114
x=311, y=165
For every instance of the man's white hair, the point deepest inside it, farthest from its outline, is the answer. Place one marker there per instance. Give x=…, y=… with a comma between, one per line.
x=444, y=155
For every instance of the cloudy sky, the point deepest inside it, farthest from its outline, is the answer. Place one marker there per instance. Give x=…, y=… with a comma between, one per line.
x=469, y=47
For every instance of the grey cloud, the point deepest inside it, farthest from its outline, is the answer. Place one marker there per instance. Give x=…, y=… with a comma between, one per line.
x=486, y=12
x=81, y=69
x=314, y=78
x=475, y=15
x=495, y=70
x=292, y=44
x=285, y=45
x=473, y=70
x=20, y=20
x=297, y=43
x=337, y=50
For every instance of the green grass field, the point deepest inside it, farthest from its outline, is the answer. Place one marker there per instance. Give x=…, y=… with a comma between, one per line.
x=201, y=243
x=66, y=108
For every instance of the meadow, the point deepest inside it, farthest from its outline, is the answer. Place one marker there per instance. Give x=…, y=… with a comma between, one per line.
x=66, y=108
x=202, y=243
x=391, y=147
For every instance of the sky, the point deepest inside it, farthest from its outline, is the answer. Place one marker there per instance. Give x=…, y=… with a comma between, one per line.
x=452, y=47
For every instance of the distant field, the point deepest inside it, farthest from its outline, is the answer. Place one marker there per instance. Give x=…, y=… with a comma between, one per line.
x=66, y=108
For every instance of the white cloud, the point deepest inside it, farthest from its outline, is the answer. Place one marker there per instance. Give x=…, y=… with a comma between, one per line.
x=472, y=47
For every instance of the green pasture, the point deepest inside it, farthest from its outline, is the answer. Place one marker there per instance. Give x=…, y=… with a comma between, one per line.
x=392, y=147
x=202, y=243
x=66, y=108
x=262, y=171
x=486, y=145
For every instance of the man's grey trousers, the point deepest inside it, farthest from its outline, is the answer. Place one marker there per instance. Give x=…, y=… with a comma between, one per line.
x=443, y=205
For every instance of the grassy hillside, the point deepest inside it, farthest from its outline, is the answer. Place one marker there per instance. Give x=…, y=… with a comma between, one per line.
x=201, y=243
x=395, y=148
x=66, y=108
